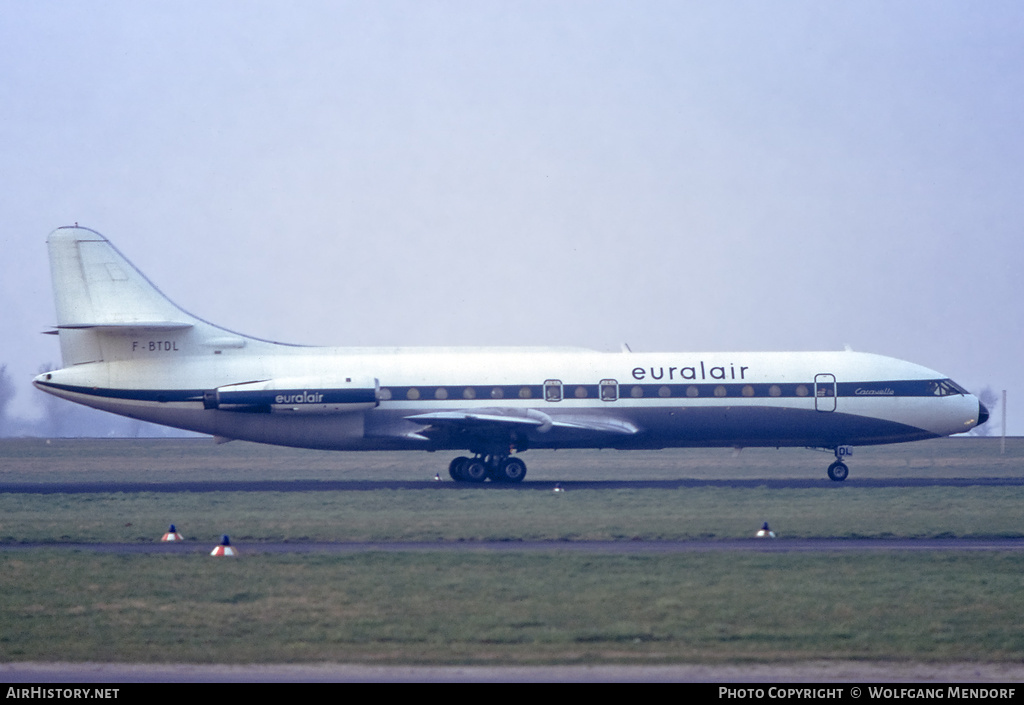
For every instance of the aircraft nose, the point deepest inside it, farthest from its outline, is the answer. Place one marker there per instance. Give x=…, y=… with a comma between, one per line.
x=982, y=413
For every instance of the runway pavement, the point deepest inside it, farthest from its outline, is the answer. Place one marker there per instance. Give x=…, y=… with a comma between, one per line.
x=804, y=672
x=447, y=485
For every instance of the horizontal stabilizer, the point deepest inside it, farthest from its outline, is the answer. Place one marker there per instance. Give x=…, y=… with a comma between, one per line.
x=127, y=326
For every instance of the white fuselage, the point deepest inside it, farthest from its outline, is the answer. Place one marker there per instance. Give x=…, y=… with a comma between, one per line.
x=671, y=399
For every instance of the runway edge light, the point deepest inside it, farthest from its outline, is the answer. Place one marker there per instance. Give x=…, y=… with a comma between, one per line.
x=224, y=549
x=172, y=535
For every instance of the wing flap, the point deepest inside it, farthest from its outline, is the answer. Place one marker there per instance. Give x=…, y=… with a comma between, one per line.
x=598, y=424
x=475, y=418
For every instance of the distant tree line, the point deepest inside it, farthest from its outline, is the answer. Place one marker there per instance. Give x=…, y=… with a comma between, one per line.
x=64, y=419
x=6, y=395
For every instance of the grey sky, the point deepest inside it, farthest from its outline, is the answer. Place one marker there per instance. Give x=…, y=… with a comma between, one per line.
x=681, y=176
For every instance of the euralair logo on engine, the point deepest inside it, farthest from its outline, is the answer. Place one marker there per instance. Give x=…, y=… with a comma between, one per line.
x=299, y=398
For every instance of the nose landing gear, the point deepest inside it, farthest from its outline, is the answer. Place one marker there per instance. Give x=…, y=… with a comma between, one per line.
x=837, y=471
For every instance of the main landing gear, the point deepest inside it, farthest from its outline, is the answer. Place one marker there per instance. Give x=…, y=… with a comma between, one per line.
x=497, y=468
x=837, y=471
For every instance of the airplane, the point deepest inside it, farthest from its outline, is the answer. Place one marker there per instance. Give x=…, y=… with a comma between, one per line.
x=127, y=349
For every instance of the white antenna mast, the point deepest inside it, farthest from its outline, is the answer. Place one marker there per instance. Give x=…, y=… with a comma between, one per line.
x=1002, y=445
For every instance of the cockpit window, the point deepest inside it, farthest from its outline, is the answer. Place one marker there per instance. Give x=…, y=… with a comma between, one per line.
x=946, y=387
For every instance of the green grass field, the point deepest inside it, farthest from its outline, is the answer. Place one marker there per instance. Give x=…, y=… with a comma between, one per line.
x=431, y=515
x=509, y=608
x=520, y=607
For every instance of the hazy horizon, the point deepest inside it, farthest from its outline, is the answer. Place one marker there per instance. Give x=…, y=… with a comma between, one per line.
x=674, y=175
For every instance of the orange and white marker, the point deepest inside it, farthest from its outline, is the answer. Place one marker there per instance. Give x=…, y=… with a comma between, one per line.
x=765, y=532
x=224, y=549
x=172, y=535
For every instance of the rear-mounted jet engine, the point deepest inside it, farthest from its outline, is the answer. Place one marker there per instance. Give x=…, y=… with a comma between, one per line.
x=295, y=395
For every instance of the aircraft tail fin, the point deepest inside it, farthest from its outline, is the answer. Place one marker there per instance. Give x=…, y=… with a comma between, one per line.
x=108, y=310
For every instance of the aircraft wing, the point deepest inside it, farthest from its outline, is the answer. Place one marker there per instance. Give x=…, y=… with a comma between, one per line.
x=478, y=420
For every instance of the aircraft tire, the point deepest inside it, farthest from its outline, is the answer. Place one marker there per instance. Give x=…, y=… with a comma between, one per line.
x=474, y=470
x=457, y=467
x=511, y=470
x=837, y=471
